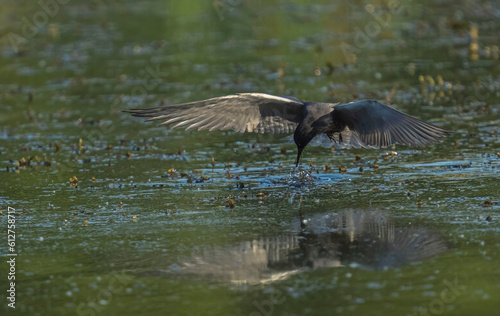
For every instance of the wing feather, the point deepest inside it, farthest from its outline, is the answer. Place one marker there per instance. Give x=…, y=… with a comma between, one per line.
x=245, y=112
x=371, y=124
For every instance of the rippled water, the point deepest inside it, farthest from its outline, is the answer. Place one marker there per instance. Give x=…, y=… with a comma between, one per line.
x=117, y=216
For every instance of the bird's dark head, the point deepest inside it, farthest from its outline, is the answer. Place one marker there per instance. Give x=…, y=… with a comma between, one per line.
x=302, y=136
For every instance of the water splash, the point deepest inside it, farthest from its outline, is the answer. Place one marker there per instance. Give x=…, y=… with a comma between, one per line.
x=299, y=177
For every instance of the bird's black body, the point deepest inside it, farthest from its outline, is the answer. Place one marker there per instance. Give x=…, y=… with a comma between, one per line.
x=365, y=123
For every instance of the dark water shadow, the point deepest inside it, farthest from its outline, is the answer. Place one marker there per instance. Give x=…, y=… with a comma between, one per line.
x=350, y=238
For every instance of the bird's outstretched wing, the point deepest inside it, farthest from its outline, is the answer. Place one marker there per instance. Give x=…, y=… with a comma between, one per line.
x=370, y=124
x=343, y=140
x=245, y=112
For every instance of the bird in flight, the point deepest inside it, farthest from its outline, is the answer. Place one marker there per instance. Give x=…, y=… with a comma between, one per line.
x=360, y=124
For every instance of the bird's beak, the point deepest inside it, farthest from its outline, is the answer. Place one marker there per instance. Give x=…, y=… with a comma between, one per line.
x=299, y=153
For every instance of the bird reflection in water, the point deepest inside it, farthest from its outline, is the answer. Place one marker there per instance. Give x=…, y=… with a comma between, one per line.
x=353, y=238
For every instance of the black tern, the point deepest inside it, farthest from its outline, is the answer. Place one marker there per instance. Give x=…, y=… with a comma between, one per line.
x=360, y=124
